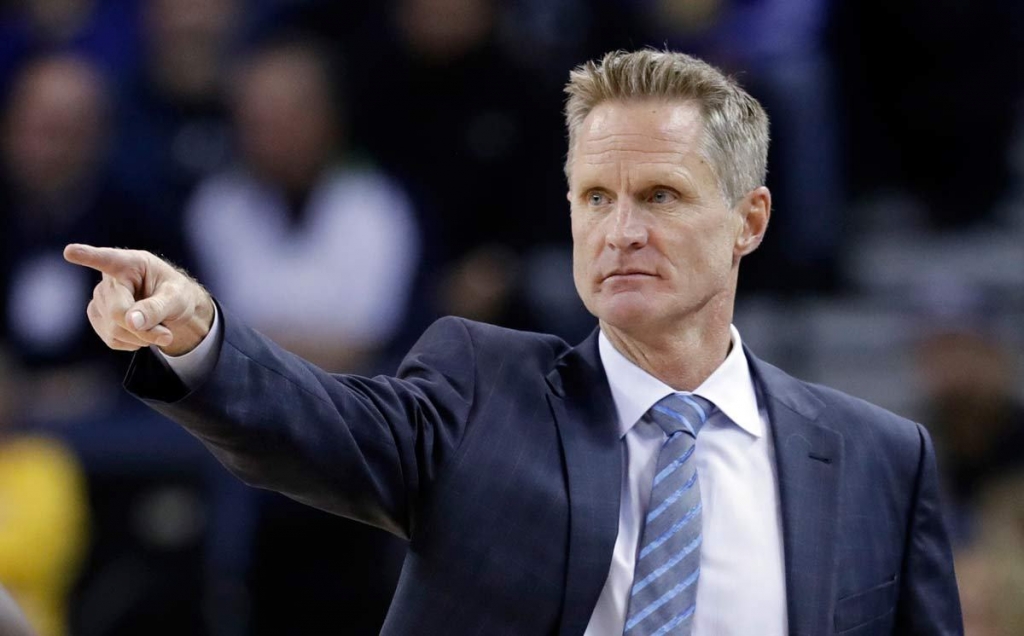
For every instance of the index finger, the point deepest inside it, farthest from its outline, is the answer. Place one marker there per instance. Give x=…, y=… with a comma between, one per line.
x=102, y=259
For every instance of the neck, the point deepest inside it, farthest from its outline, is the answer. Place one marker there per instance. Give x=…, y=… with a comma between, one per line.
x=683, y=356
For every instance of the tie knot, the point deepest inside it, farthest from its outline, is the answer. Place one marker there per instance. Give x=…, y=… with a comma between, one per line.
x=681, y=412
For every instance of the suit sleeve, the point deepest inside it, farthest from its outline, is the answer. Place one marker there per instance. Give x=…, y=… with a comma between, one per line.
x=363, y=448
x=929, y=603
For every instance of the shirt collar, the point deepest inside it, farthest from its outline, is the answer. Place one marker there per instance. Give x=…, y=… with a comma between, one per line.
x=730, y=387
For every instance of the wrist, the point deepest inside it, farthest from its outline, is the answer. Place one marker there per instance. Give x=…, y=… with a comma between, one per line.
x=191, y=331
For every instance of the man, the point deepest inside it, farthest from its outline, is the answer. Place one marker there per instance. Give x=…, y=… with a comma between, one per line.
x=529, y=476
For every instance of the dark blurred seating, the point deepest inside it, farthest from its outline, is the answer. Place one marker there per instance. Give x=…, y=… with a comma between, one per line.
x=931, y=99
x=478, y=140
x=101, y=31
x=977, y=418
x=990, y=570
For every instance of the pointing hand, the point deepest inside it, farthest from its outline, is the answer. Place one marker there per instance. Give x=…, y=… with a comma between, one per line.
x=143, y=300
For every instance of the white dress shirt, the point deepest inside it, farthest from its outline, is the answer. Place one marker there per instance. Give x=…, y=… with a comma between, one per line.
x=192, y=367
x=742, y=587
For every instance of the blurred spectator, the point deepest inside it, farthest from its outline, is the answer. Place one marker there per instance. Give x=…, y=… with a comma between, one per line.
x=978, y=422
x=98, y=30
x=43, y=518
x=172, y=125
x=335, y=243
x=53, y=190
x=477, y=139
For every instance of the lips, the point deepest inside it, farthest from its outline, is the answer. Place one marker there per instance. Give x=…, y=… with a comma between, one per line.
x=624, y=273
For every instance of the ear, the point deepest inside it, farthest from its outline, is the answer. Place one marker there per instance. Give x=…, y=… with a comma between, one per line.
x=755, y=209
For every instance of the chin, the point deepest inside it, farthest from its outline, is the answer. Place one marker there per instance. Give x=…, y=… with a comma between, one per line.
x=625, y=312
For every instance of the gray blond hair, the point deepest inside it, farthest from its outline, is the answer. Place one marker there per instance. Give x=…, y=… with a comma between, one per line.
x=736, y=127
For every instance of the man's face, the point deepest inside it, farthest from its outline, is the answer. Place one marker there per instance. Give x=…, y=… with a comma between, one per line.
x=654, y=240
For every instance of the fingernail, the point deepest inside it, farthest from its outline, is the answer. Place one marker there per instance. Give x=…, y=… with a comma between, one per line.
x=137, y=319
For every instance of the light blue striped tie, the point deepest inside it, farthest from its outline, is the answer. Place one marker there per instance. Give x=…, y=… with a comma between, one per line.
x=664, y=594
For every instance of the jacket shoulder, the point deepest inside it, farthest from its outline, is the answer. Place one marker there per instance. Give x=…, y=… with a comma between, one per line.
x=861, y=421
x=487, y=340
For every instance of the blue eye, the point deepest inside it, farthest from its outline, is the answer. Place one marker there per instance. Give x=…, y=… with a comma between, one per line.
x=662, y=196
x=596, y=198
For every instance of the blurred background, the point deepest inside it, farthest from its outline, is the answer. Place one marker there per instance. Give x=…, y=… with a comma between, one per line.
x=342, y=173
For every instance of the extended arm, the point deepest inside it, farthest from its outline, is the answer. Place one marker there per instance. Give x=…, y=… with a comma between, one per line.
x=363, y=448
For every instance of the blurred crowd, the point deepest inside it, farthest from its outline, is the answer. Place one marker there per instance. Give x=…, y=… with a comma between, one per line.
x=339, y=174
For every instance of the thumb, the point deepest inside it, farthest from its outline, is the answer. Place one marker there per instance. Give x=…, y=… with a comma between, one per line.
x=150, y=312
x=136, y=318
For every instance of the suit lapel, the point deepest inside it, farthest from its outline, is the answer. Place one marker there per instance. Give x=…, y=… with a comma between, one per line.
x=808, y=458
x=581, y=403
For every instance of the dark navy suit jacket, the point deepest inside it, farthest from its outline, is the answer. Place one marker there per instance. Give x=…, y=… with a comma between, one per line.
x=496, y=454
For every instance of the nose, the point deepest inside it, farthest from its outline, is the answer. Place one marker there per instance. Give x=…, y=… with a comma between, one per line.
x=628, y=230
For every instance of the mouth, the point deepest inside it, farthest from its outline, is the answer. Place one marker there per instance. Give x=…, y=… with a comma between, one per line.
x=628, y=274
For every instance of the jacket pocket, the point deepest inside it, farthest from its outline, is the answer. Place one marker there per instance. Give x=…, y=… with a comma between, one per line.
x=863, y=607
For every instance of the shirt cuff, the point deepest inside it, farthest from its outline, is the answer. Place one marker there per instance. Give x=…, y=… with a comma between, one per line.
x=193, y=367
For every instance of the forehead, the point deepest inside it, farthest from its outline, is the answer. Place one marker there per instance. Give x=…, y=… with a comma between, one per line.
x=641, y=133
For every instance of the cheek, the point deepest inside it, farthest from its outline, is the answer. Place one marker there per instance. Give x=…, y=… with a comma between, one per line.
x=575, y=222
x=695, y=258
x=709, y=257
x=587, y=243
x=581, y=277
x=583, y=254
x=579, y=237
x=586, y=230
